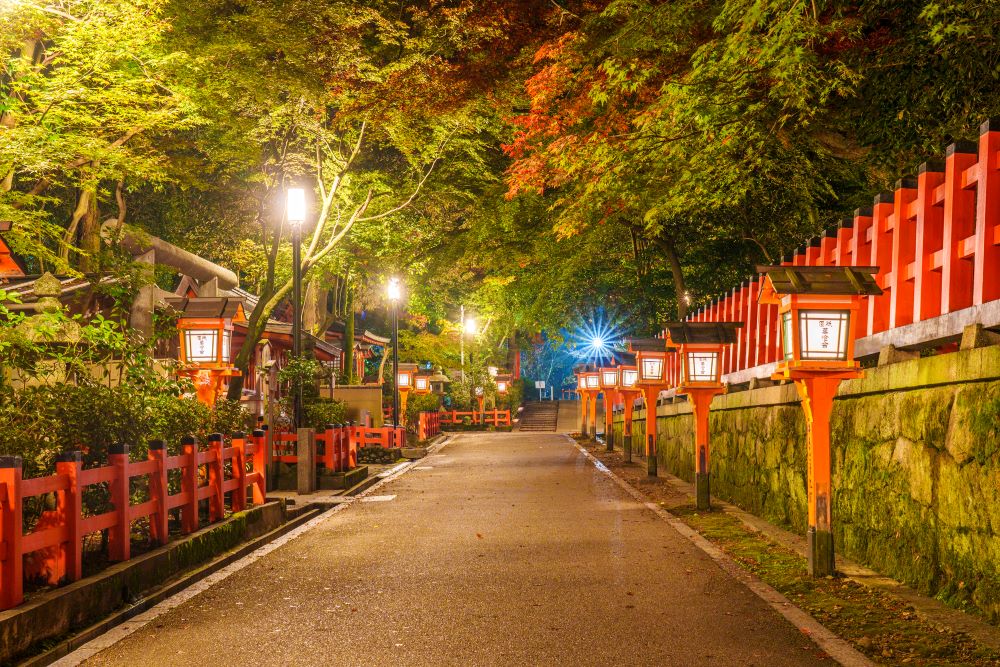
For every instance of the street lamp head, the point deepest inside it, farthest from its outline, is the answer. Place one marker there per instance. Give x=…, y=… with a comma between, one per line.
x=470, y=325
x=394, y=289
x=295, y=206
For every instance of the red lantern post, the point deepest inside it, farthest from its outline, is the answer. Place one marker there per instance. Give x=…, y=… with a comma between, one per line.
x=609, y=387
x=818, y=310
x=701, y=348
x=628, y=377
x=651, y=361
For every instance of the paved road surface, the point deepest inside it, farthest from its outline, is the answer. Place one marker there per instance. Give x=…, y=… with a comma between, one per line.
x=503, y=549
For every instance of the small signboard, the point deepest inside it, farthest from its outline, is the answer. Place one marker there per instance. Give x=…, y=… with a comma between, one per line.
x=539, y=384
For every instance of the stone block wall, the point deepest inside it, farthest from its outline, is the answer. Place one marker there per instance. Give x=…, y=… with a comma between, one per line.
x=916, y=468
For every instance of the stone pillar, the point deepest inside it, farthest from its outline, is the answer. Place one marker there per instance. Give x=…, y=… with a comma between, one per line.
x=306, y=467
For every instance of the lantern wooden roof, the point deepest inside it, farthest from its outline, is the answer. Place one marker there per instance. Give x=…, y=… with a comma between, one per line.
x=409, y=367
x=648, y=345
x=831, y=280
x=704, y=333
x=224, y=307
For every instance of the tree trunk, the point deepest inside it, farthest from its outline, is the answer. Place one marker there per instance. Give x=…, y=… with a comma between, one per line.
x=349, y=334
x=666, y=244
x=90, y=236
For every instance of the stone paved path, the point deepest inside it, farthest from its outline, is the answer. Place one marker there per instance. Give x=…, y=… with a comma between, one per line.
x=502, y=549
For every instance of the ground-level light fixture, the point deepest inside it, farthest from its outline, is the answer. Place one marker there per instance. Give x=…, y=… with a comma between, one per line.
x=818, y=307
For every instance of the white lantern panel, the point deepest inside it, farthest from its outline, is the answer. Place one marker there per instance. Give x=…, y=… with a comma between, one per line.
x=786, y=336
x=479, y=391
x=421, y=383
x=202, y=345
x=610, y=378
x=703, y=366
x=823, y=334
x=404, y=380
x=629, y=378
x=652, y=368
x=502, y=387
x=581, y=382
x=227, y=344
x=593, y=382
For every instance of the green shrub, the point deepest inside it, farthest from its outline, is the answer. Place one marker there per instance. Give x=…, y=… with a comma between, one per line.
x=416, y=404
x=320, y=412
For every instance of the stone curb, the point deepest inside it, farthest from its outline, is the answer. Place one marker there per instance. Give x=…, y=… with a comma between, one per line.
x=931, y=610
x=837, y=648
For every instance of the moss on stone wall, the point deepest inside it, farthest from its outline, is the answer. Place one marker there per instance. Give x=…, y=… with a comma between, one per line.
x=916, y=476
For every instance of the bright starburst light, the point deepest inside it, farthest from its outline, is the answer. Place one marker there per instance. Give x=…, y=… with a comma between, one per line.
x=595, y=340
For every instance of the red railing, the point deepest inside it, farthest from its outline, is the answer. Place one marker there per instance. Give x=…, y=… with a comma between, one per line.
x=57, y=540
x=493, y=417
x=428, y=425
x=936, y=241
x=337, y=446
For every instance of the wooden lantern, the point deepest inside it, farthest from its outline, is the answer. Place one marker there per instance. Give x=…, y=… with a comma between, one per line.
x=205, y=328
x=651, y=364
x=818, y=307
x=701, y=346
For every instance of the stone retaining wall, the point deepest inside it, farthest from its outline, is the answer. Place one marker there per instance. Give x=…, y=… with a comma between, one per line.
x=916, y=469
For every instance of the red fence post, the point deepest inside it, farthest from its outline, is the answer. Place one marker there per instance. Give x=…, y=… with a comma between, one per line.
x=881, y=256
x=986, y=277
x=216, y=502
x=11, y=519
x=70, y=561
x=119, y=535
x=260, y=466
x=904, y=247
x=189, y=485
x=158, y=491
x=959, y=223
x=352, y=445
x=930, y=236
x=239, y=495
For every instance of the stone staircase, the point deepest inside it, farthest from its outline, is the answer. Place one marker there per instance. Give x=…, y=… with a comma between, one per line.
x=540, y=416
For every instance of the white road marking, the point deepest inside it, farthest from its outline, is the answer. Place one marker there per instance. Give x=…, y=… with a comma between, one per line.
x=378, y=499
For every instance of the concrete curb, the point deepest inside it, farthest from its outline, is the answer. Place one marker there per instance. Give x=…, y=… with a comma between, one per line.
x=834, y=646
x=165, y=590
x=108, y=633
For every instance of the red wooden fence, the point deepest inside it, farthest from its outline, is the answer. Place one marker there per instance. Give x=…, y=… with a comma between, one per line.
x=494, y=417
x=58, y=538
x=337, y=446
x=428, y=425
x=936, y=239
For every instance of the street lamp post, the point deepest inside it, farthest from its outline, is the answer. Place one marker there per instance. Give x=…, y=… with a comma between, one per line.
x=295, y=213
x=468, y=327
x=395, y=291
